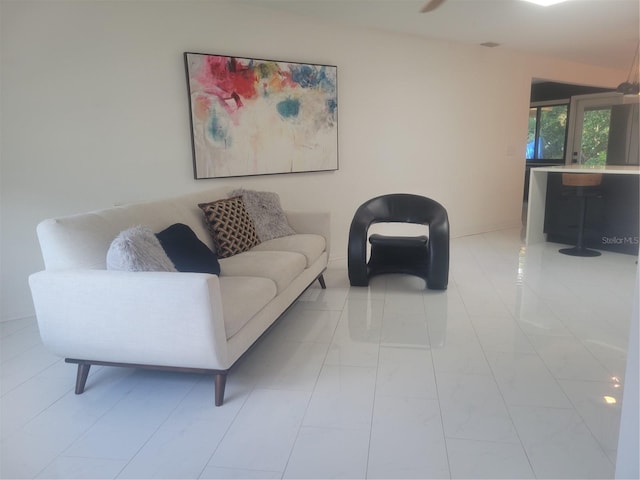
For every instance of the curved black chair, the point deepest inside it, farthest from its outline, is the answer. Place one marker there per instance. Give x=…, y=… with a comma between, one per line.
x=425, y=257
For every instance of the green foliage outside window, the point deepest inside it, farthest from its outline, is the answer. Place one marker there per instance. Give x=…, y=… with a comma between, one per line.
x=550, y=136
x=548, y=132
x=595, y=136
x=553, y=128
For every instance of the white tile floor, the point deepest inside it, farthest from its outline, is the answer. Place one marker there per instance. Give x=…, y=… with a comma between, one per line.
x=504, y=375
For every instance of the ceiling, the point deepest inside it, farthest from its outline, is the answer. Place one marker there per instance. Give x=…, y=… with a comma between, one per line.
x=597, y=32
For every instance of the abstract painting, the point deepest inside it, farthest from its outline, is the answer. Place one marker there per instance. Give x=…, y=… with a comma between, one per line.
x=255, y=117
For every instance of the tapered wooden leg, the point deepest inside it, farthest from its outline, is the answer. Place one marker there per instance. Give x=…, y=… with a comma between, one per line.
x=81, y=377
x=220, y=380
x=321, y=280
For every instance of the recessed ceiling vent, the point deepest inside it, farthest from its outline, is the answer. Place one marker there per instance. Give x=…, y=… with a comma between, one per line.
x=490, y=44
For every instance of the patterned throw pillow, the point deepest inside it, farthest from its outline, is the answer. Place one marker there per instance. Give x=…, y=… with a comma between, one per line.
x=229, y=223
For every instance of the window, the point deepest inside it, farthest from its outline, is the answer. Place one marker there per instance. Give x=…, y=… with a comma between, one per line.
x=594, y=144
x=547, y=133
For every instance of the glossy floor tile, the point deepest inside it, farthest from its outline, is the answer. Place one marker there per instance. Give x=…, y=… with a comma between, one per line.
x=516, y=371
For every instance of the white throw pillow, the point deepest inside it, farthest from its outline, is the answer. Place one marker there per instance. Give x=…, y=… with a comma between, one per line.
x=264, y=209
x=137, y=249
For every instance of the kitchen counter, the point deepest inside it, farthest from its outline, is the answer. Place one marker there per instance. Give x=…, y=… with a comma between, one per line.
x=620, y=198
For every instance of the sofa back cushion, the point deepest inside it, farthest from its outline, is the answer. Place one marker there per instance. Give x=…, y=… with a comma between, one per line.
x=82, y=241
x=78, y=241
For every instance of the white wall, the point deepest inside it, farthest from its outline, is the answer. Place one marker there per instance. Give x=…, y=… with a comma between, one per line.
x=94, y=112
x=628, y=463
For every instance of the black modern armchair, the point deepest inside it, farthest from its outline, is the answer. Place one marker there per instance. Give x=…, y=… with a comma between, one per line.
x=425, y=257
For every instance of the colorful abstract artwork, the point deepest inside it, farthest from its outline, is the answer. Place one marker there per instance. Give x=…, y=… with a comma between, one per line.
x=257, y=117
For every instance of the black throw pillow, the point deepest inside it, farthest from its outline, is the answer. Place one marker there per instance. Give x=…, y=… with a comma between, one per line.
x=187, y=252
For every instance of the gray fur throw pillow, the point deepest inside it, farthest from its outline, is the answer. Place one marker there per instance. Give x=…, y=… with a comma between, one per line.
x=137, y=249
x=267, y=214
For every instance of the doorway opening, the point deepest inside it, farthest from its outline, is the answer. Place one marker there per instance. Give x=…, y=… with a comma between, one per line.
x=549, y=113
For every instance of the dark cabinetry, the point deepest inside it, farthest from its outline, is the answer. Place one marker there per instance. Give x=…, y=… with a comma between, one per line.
x=612, y=217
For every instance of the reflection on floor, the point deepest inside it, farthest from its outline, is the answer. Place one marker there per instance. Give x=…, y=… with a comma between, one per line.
x=516, y=371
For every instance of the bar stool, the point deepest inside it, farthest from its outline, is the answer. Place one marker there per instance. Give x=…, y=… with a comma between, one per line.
x=582, y=186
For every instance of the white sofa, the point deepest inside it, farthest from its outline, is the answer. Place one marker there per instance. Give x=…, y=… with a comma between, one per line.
x=194, y=322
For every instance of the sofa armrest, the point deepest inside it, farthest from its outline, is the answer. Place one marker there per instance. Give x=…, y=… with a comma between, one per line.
x=311, y=222
x=153, y=318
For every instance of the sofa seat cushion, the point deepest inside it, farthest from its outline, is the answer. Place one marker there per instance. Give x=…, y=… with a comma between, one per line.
x=281, y=267
x=307, y=244
x=242, y=298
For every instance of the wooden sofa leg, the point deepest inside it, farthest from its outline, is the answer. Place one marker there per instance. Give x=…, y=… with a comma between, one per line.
x=220, y=380
x=81, y=377
x=321, y=280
